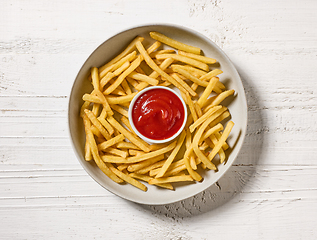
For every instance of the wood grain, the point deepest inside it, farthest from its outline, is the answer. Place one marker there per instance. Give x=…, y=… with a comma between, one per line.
x=269, y=193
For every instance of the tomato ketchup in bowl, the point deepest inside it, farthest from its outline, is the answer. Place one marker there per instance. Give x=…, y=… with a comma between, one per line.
x=157, y=114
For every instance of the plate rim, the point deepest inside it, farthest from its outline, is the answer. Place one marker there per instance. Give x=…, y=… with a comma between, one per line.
x=236, y=77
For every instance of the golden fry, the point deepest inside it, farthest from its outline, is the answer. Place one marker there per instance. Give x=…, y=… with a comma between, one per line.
x=174, y=43
x=171, y=179
x=200, y=58
x=203, y=98
x=110, y=142
x=187, y=60
x=210, y=74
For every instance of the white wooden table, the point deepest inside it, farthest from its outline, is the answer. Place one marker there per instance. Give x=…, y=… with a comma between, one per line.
x=269, y=193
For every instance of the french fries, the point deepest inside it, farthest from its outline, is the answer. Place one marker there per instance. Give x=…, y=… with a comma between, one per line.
x=125, y=157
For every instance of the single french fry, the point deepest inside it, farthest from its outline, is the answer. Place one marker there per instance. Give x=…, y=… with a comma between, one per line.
x=203, y=98
x=188, y=142
x=110, y=142
x=174, y=43
x=123, y=166
x=200, y=58
x=87, y=125
x=185, y=178
x=187, y=60
x=120, y=110
x=108, y=158
x=223, y=138
x=191, y=107
x=129, y=179
x=91, y=98
x=120, y=100
x=133, y=152
x=158, y=146
x=127, y=145
x=83, y=107
x=133, y=138
x=95, y=77
x=221, y=97
x=153, y=54
x=203, y=146
x=116, y=151
x=193, y=163
x=211, y=74
x=171, y=157
x=95, y=109
x=144, y=78
x=153, y=47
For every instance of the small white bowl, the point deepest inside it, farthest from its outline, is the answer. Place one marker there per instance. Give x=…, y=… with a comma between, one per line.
x=154, y=140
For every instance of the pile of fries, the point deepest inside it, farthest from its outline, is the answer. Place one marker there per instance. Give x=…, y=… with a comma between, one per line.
x=110, y=140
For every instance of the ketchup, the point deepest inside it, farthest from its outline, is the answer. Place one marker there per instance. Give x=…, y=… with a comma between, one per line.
x=158, y=114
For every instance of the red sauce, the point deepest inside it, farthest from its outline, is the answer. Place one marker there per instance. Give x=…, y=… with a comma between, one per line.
x=158, y=114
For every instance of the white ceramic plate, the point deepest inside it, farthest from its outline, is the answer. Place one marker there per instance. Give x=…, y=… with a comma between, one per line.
x=109, y=49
